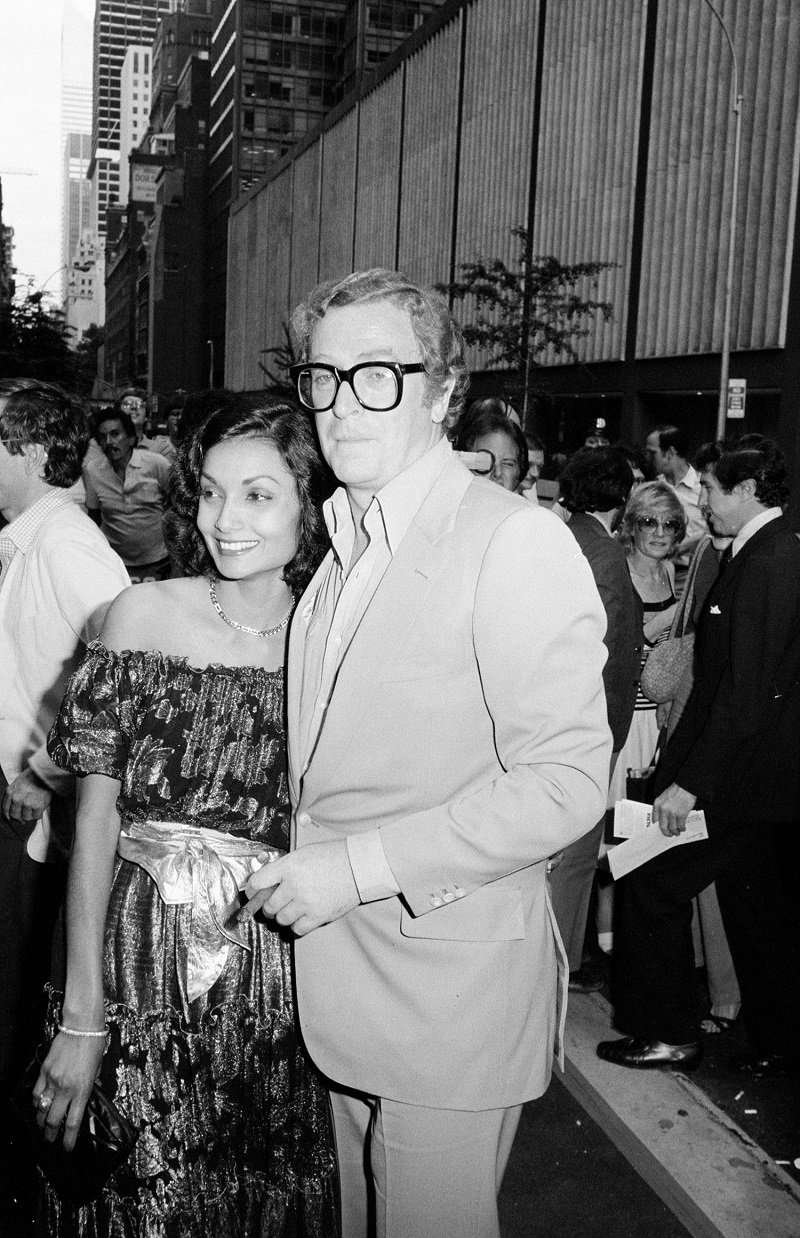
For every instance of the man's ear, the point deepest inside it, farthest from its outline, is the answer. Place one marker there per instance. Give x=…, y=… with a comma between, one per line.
x=746, y=489
x=35, y=456
x=441, y=402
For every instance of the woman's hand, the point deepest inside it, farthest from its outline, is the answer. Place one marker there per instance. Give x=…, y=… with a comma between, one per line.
x=64, y=1084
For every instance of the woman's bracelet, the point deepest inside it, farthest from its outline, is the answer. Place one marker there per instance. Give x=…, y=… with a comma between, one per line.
x=74, y=1031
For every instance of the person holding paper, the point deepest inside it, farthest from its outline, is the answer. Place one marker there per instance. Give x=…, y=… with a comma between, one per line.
x=733, y=755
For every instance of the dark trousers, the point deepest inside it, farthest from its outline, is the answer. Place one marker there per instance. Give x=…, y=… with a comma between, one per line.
x=31, y=895
x=756, y=869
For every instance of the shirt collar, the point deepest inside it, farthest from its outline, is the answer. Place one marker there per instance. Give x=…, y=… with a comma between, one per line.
x=393, y=508
x=25, y=526
x=752, y=526
x=689, y=481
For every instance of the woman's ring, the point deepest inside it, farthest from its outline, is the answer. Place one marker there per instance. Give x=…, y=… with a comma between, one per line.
x=45, y=1102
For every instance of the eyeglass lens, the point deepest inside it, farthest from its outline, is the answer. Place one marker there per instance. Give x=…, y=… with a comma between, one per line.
x=374, y=386
x=650, y=522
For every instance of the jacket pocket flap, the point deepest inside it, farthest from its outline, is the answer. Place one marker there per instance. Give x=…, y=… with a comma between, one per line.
x=485, y=915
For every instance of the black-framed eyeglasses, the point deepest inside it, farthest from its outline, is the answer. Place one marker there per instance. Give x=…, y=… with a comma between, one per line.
x=648, y=523
x=377, y=385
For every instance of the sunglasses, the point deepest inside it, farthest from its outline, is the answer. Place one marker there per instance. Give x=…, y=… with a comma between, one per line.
x=647, y=524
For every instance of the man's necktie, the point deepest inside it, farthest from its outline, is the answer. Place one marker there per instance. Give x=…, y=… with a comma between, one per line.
x=726, y=557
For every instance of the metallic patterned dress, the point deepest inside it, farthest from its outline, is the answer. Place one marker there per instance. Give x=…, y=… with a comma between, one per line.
x=204, y=1054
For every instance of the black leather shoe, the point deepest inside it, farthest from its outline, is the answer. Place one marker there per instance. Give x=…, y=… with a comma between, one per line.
x=586, y=979
x=646, y=1054
x=767, y=1065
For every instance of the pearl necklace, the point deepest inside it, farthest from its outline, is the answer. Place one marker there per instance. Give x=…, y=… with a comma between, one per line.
x=242, y=627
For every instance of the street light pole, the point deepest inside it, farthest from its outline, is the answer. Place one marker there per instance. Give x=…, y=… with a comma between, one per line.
x=722, y=407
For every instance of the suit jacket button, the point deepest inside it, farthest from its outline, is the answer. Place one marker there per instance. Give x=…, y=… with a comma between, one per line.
x=435, y=900
x=303, y=820
x=449, y=896
x=459, y=892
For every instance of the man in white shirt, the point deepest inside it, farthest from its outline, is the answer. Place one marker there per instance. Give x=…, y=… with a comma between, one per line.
x=57, y=577
x=126, y=491
x=447, y=733
x=667, y=449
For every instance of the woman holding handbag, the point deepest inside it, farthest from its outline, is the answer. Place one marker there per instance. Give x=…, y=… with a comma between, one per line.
x=652, y=527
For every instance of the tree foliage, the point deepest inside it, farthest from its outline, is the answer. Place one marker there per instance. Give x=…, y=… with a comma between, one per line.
x=34, y=342
x=537, y=308
x=276, y=374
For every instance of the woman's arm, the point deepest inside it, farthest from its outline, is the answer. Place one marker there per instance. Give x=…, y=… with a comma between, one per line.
x=659, y=623
x=73, y=1062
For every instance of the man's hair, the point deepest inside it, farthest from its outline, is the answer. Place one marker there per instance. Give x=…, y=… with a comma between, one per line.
x=672, y=436
x=534, y=442
x=437, y=332
x=136, y=393
x=652, y=498
x=492, y=421
x=751, y=456
x=253, y=416
x=42, y=413
x=596, y=480
x=114, y=414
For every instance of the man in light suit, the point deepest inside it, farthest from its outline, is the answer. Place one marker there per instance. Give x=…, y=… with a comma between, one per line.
x=733, y=754
x=447, y=733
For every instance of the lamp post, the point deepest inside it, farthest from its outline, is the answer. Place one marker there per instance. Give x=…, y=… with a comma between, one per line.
x=722, y=407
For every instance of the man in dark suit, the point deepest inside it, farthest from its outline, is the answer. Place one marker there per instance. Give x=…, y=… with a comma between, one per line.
x=734, y=754
x=594, y=487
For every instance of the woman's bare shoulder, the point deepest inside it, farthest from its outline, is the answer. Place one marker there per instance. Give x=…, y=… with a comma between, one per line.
x=146, y=616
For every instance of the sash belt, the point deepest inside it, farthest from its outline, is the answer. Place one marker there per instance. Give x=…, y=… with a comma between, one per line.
x=205, y=869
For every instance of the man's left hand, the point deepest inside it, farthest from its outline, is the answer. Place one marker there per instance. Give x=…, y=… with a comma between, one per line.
x=26, y=798
x=307, y=888
x=671, y=808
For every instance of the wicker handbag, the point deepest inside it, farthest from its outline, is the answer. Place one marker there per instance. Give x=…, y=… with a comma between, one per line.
x=670, y=662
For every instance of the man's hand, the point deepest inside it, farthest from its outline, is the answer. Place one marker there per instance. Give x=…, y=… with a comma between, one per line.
x=307, y=888
x=26, y=798
x=671, y=808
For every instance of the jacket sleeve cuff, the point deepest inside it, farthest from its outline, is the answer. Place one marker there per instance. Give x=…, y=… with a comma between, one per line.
x=371, y=872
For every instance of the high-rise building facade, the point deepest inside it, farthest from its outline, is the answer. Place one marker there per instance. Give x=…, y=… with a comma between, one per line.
x=134, y=107
x=117, y=25
x=277, y=67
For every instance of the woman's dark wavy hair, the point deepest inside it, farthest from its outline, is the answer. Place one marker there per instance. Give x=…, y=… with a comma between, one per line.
x=259, y=417
x=45, y=414
x=596, y=479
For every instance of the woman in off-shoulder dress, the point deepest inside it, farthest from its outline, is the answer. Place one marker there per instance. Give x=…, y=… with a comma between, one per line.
x=174, y=724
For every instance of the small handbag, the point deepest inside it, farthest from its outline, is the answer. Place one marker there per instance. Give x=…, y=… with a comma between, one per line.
x=640, y=783
x=105, y=1140
x=671, y=662
x=666, y=666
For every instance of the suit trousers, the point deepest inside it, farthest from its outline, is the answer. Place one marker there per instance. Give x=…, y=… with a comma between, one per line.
x=654, y=989
x=30, y=899
x=571, y=887
x=411, y=1172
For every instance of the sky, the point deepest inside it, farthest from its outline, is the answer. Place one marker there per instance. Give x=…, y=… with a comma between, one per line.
x=30, y=123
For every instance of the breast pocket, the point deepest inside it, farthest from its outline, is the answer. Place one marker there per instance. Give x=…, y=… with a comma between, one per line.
x=488, y=914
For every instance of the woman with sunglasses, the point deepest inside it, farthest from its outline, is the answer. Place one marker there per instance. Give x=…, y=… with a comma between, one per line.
x=652, y=528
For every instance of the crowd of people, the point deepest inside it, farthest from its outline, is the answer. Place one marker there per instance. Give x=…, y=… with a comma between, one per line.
x=326, y=793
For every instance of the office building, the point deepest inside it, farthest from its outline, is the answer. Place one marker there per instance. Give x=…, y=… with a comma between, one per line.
x=594, y=127
x=118, y=24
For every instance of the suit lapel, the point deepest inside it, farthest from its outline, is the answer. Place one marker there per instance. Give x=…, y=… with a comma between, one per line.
x=294, y=675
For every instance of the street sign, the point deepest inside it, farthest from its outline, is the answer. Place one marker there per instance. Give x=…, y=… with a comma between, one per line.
x=737, y=394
